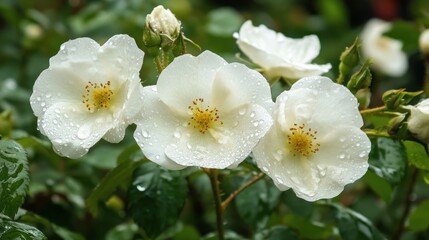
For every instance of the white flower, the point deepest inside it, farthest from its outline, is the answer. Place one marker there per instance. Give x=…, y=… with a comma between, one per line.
x=163, y=21
x=418, y=122
x=203, y=112
x=424, y=42
x=315, y=145
x=279, y=55
x=386, y=52
x=88, y=93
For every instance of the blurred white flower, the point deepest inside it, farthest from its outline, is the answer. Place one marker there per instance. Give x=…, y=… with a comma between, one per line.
x=280, y=56
x=385, y=51
x=418, y=122
x=203, y=112
x=163, y=21
x=88, y=93
x=424, y=42
x=315, y=145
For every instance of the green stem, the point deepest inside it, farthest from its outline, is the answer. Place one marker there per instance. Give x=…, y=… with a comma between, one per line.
x=375, y=133
x=165, y=58
x=426, y=80
x=213, y=176
x=236, y=192
x=373, y=110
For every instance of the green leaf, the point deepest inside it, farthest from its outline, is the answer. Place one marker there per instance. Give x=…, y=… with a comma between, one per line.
x=418, y=220
x=255, y=203
x=388, y=159
x=117, y=176
x=14, y=230
x=417, y=155
x=125, y=231
x=281, y=232
x=14, y=179
x=156, y=197
x=354, y=226
x=308, y=229
x=296, y=205
x=378, y=185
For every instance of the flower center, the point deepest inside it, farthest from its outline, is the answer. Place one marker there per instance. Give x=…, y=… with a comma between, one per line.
x=203, y=118
x=98, y=95
x=302, y=141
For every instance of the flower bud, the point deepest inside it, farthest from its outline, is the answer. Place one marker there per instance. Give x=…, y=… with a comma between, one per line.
x=418, y=122
x=164, y=24
x=364, y=97
x=360, y=79
x=424, y=42
x=396, y=97
x=350, y=58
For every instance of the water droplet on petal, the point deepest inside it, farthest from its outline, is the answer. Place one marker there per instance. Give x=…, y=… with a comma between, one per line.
x=84, y=132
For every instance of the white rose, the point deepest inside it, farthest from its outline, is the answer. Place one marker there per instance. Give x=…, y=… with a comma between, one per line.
x=386, y=52
x=163, y=21
x=424, y=42
x=278, y=55
x=418, y=122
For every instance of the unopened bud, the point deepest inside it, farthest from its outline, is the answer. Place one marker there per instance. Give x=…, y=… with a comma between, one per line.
x=361, y=79
x=418, y=122
x=163, y=23
x=349, y=58
x=364, y=97
x=397, y=97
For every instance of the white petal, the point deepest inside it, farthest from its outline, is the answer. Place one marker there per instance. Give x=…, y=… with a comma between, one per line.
x=342, y=159
x=297, y=71
x=56, y=85
x=236, y=85
x=155, y=129
x=260, y=56
x=76, y=50
x=302, y=50
x=121, y=58
x=331, y=98
x=224, y=146
x=71, y=130
x=188, y=78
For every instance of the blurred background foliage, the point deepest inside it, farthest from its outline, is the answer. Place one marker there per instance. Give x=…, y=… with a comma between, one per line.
x=32, y=31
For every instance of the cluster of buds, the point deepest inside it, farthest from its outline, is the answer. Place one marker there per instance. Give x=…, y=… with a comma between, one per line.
x=162, y=31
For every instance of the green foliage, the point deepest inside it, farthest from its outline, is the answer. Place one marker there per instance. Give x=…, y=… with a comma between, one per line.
x=407, y=33
x=379, y=185
x=13, y=230
x=418, y=220
x=388, y=159
x=223, y=22
x=156, y=198
x=354, y=226
x=256, y=202
x=14, y=178
x=417, y=155
x=119, y=175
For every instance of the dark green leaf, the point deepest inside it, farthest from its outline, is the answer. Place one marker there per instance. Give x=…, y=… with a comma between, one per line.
x=281, y=232
x=354, y=226
x=418, y=220
x=388, y=159
x=157, y=197
x=132, y=152
x=109, y=183
x=256, y=202
x=14, y=178
x=417, y=155
x=125, y=231
x=308, y=229
x=378, y=185
x=13, y=230
x=297, y=205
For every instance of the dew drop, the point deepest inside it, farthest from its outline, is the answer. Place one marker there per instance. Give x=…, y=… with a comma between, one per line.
x=177, y=134
x=141, y=188
x=145, y=134
x=342, y=156
x=242, y=111
x=252, y=114
x=84, y=132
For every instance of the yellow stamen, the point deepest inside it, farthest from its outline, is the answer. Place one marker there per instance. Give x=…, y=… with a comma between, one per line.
x=203, y=118
x=97, y=95
x=302, y=141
